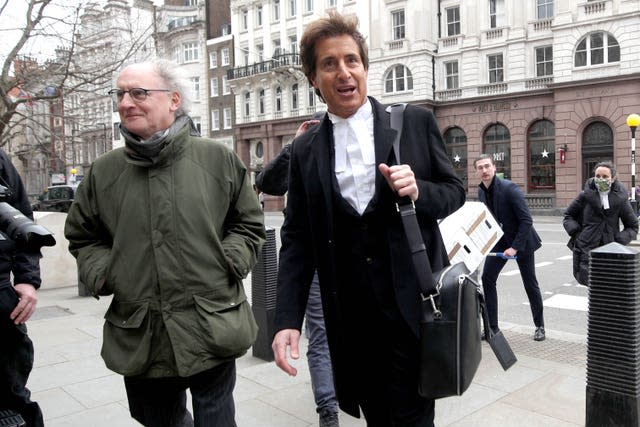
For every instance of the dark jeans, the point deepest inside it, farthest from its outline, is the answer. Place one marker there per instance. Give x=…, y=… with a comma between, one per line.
x=492, y=268
x=318, y=353
x=161, y=402
x=16, y=362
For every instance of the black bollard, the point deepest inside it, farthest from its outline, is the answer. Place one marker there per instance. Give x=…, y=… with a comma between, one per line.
x=613, y=337
x=264, y=278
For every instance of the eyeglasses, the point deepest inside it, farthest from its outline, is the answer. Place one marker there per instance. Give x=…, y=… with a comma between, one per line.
x=138, y=94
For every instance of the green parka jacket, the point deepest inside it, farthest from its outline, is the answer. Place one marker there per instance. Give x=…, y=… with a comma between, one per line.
x=172, y=243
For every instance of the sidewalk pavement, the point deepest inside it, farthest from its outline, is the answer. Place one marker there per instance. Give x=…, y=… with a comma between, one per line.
x=546, y=387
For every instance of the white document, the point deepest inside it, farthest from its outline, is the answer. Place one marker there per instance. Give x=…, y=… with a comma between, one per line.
x=469, y=234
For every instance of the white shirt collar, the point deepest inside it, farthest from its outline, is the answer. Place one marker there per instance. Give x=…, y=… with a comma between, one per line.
x=363, y=113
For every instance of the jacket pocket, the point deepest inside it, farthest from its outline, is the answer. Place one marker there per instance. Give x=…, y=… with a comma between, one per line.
x=228, y=327
x=127, y=335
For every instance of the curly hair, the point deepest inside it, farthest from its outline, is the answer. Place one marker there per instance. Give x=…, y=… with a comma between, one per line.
x=333, y=25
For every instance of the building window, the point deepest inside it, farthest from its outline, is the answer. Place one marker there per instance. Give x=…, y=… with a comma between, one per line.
x=497, y=143
x=293, y=44
x=197, y=123
x=311, y=96
x=398, y=79
x=261, y=102
x=213, y=59
x=276, y=48
x=597, y=48
x=276, y=10
x=496, y=71
x=259, y=16
x=226, y=90
x=214, y=86
x=309, y=4
x=226, y=113
x=260, y=52
x=244, y=19
x=453, y=21
x=225, y=56
x=278, y=99
x=215, y=119
x=293, y=8
x=195, y=88
x=247, y=104
x=545, y=9
x=544, y=61
x=496, y=13
x=455, y=142
x=542, y=160
x=116, y=131
x=190, y=52
x=294, y=96
x=397, y=19
x=597, y=146
x=451, y=73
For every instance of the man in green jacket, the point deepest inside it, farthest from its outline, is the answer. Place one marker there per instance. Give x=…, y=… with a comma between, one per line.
x=169, y=225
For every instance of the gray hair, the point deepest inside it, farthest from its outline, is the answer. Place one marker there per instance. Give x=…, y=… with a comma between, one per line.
x=169, y=72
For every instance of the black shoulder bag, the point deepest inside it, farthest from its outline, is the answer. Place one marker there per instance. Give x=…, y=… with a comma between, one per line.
x=452, y=308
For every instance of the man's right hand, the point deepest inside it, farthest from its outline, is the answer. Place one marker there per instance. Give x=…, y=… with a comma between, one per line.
x=283, y=339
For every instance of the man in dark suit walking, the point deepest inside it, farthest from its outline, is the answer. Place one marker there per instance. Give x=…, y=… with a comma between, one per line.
x=506, y=202
x=342, y=219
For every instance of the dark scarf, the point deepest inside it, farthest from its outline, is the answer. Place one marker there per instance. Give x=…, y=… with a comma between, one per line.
x=148, y=152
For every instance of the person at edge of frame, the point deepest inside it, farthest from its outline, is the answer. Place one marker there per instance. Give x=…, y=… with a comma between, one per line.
x=17, y=304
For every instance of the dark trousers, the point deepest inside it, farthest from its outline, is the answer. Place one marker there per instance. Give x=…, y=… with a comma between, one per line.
x=526, y=264
x=16, y=362
x=387, y=370
x=161, y=402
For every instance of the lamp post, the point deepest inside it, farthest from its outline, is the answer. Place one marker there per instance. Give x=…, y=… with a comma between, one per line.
x=633, y=121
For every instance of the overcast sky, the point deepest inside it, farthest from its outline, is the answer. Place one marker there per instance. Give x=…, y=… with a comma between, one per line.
x=59, y=13
x=60, y=16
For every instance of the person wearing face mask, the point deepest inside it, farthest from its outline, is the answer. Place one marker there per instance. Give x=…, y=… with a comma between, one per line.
x=593, y=218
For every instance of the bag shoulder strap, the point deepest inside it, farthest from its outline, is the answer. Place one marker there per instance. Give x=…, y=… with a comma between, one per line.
x=421, y=264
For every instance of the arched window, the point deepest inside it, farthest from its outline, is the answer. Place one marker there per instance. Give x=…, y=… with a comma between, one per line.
x=294, y=96
x=597, y=146
x=455, y=142
x=398, y=79
x=497, y=142
x=278, y=99
x=597, y=48
x=542, y=167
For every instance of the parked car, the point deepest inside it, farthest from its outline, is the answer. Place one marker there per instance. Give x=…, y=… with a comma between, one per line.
x=57, y=198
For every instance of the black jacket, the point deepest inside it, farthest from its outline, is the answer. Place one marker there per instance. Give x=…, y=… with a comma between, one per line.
x=309, y=230
x=24, y=266
x=274, y=177
x=512, y=213
x=591, y=226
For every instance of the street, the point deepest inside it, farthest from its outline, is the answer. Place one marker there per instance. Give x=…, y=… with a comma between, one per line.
x=565, y=302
